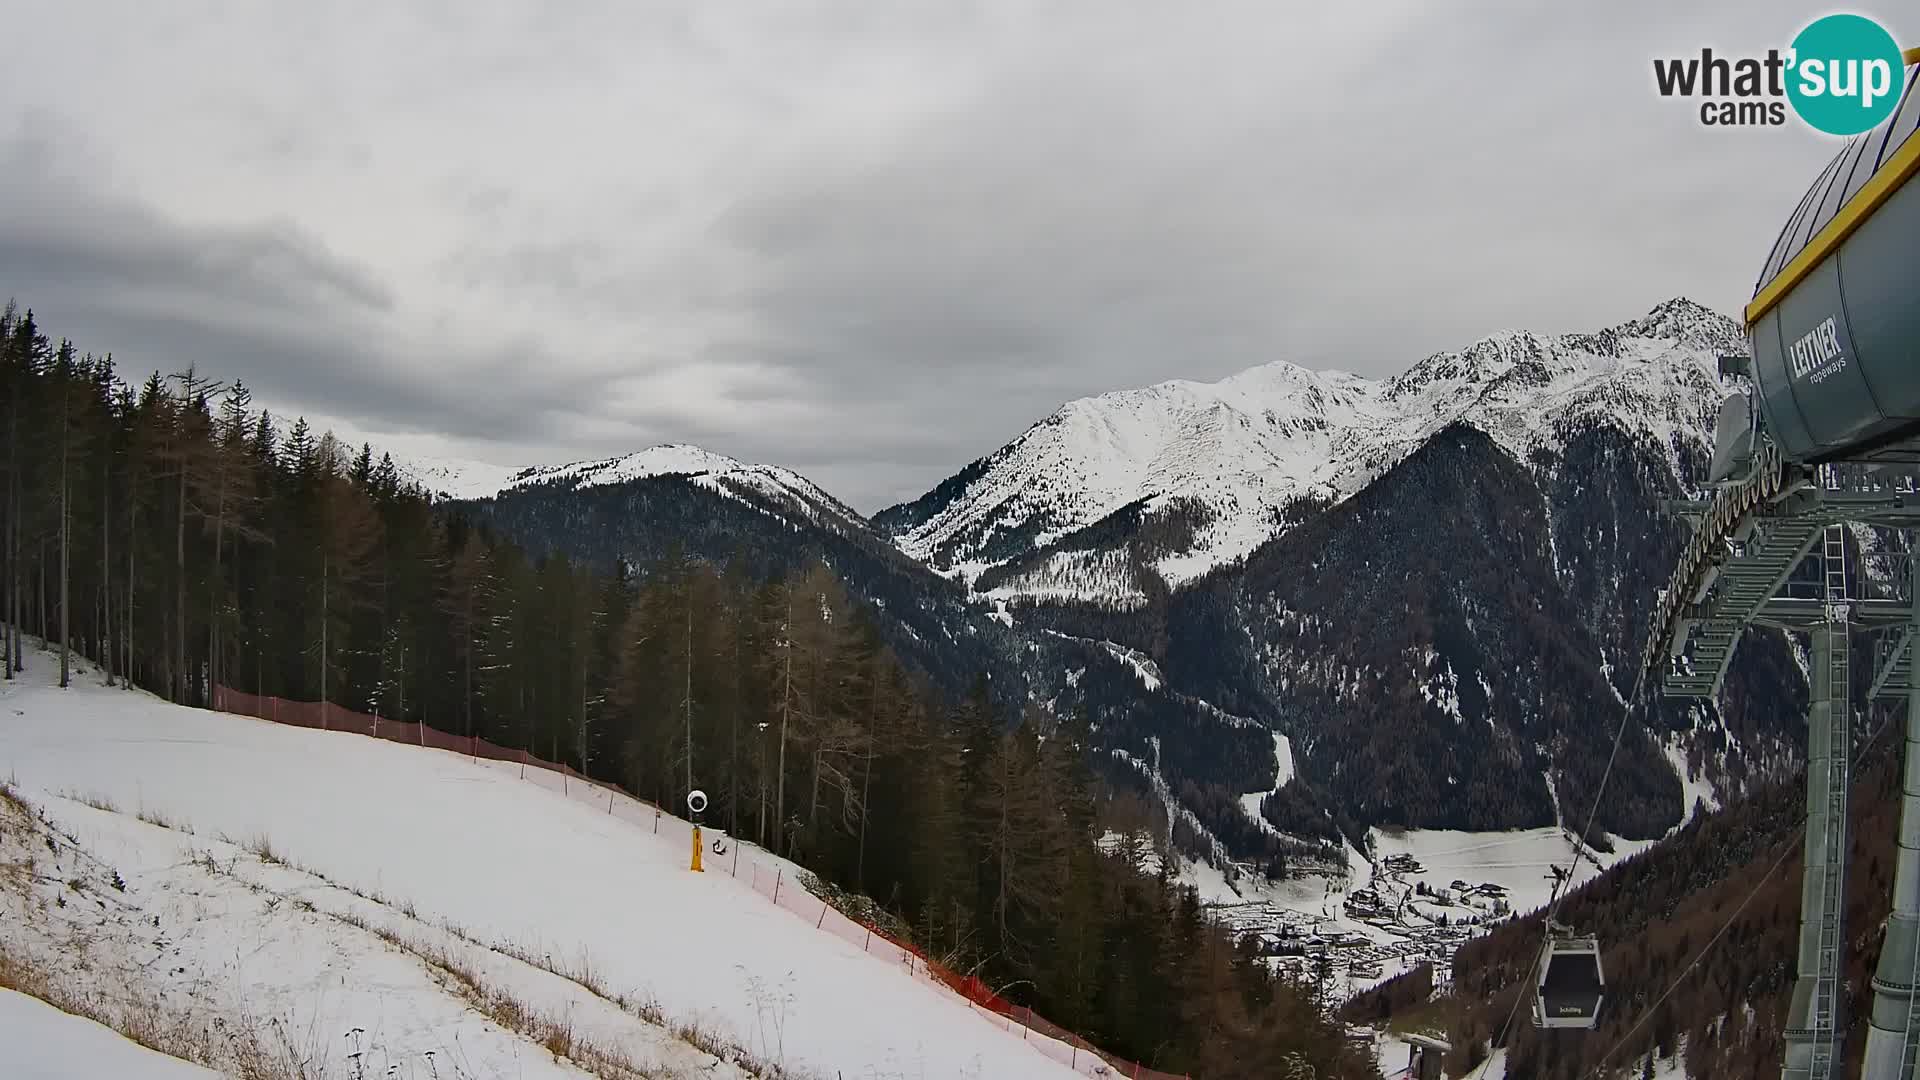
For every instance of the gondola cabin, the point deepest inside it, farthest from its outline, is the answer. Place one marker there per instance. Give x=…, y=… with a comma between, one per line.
x=1571, y=984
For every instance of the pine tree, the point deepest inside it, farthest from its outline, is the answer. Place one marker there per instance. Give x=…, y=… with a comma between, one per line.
x=65, y=376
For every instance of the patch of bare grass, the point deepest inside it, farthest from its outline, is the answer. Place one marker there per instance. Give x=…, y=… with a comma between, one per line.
x=95, y=800
x=160, y=819
x=262, y=849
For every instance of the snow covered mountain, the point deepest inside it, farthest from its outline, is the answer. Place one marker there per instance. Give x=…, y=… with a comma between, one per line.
x=1200, y=474
x=1426, y=583
x=767, y=486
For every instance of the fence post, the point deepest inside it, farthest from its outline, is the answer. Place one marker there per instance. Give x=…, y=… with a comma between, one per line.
x=736, y=857
x=822, y=920
x=776, y=884
x=867, y=944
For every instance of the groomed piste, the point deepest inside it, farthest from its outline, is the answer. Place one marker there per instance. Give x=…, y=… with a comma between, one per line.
x=469, y=847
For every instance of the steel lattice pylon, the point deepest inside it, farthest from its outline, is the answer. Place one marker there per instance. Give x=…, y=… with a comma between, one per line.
x=1749, y=546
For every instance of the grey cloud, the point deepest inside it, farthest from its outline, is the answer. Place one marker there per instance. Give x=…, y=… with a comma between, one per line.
x=265, y=303
x=873, y=242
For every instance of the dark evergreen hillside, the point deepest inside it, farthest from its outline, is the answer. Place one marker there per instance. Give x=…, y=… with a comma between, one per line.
x=1611, y=545
x=1736, y=870
x=1420, y=642
x=184, y=541
x=923, y=617
x=1138, y=534
x=1446, y=640
x=898, y=518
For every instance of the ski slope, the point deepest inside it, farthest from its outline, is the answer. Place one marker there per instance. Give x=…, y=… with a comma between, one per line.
x=451, y=843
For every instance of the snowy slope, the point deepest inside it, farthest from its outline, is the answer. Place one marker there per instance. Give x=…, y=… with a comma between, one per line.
x=400, y=830
x=456, y=478
x=39, y=1042
x=1283, y=767
x=1232, y=455
x=716, y=472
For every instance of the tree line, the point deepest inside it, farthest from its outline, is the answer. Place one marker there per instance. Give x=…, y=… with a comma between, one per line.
x=182, y=540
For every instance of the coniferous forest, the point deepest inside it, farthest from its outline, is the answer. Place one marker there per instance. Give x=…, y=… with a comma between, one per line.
x=181, y=538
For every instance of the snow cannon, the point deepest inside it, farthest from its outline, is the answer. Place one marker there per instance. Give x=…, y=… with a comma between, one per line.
x=1835, y=320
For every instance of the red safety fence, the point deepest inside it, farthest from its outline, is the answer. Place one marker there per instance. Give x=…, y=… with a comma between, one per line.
x=770, y=877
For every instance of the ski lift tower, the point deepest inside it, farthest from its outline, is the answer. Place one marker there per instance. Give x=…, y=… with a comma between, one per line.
x=1824, y=437
x=1752, y=581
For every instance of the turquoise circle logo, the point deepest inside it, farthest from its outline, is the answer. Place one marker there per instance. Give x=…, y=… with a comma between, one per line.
x=1846, y=74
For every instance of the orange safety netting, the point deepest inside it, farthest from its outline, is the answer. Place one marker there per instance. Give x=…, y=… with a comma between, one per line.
x=771, y=880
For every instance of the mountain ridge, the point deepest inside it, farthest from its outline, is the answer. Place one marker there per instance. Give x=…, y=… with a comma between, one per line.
x=1241, y=450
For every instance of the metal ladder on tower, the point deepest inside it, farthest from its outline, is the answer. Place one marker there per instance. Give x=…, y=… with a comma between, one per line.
x=1833, y=884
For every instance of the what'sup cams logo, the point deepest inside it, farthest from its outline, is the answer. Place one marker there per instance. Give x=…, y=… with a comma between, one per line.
x=1842, y=75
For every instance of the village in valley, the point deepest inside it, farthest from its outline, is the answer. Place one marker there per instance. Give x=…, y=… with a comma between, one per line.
x=1345, y=930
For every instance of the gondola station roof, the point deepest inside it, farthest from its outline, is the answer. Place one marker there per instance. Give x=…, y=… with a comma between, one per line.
x=1834, y=323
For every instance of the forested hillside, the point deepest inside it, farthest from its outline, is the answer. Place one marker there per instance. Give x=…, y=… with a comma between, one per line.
x=184, y=540
x=923, y=617
x=1697, y=940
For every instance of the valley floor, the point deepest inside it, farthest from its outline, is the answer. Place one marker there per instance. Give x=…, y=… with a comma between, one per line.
x=1421, y=916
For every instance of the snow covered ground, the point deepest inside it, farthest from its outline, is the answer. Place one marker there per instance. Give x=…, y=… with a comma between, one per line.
x=1518, y=862
x=39, y=1042
x=1283, y=764
x=362, y=894
x=1407, y=928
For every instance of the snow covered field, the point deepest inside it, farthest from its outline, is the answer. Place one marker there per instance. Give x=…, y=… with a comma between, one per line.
x=362, y=896
x=1519, y=862
x=39, y=1042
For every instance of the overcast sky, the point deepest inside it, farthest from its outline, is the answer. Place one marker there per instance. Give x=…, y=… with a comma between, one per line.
x=871, y=240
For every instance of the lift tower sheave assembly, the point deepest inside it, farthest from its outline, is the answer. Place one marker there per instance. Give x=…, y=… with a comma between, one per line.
x=1824, y=438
